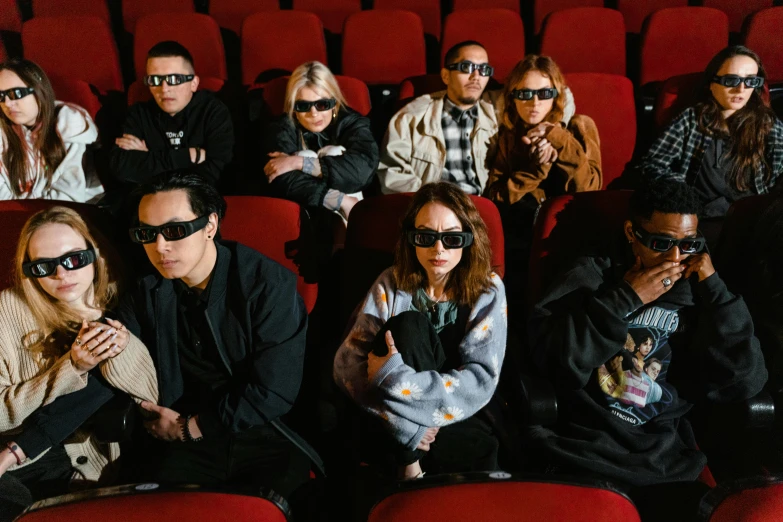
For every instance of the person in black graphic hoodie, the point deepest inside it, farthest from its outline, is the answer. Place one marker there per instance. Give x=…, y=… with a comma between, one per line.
x=615, y=421
x=181, y=128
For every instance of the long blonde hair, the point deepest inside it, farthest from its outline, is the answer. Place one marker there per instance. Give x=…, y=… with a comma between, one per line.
x=313, y=75
x=51, y=315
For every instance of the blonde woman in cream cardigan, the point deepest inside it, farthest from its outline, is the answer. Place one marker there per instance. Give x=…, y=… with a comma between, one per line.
x=54, y=345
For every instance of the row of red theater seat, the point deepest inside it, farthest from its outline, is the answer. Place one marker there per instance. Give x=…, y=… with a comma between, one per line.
x=372, y=229
x=584, y=39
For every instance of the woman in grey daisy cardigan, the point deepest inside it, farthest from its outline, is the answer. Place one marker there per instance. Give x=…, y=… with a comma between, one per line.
x=424, y=354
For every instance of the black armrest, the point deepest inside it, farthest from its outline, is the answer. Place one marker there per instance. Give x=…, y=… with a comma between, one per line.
x=115, y=421
x=539, y=400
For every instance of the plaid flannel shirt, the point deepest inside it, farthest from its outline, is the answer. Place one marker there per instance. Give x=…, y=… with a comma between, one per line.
x=678, y=152
x=459, y=166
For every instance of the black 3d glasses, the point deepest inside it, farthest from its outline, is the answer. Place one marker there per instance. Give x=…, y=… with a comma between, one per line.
x=658, y=243
x=484, y=69
x=69, y=261
x=156, y=80
x=324, y=104
x=170, y=231
x=527, y=94
x=427, y=238
x=732, y=80
x=16, y=93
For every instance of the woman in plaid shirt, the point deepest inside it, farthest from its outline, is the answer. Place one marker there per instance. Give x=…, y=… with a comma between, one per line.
x=729, y=144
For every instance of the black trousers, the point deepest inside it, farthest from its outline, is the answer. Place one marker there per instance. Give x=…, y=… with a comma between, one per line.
x=47, y=477
x=469, y=445
x=244, y=461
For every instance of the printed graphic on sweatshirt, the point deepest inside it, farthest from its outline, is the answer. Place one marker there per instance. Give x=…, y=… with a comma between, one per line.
x=175, y=138
x=634, y=381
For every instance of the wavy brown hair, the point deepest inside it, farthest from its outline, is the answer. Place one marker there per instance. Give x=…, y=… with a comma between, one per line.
x=472, y=276
x=747, y=128
x=47, y=141
x=52, y=316
x=547, y=67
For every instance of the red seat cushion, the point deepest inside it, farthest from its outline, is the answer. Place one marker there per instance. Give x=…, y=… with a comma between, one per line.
x=763, y=504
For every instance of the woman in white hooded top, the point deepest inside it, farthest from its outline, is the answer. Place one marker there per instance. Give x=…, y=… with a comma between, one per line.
x=42, y=141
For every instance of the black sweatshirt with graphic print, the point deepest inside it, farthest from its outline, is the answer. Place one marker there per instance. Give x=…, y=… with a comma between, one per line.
x=623, y=370
x=205, y=122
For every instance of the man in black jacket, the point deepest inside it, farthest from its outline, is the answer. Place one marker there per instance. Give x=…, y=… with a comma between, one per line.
x=626, y=336
x=226, y=330
x=180, y=128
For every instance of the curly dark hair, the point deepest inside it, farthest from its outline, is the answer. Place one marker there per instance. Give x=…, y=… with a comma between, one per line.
x=472, y=276
x=665, y=196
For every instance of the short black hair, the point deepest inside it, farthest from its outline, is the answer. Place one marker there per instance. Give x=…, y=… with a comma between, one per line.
x=204, y=198
x=171, y=49
x=665, y=196
x=453, y=53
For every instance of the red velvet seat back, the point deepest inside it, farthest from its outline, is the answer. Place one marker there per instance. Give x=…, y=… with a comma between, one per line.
x=97, y=8
x=636, y=11
x=356, y=94
x=738, y=11
x=609, y=100
x=79, y=47
x=229, y=14
x=758, y=504
x=332, y=14
x=199, y=33
x=15, y=213
x=681, y=40
x=585, y=39
x=77, y=92
x=133, y=10
x=428, y=11
x=508, y=501
x=10, y=19
x=500, y=31
x=459, y=5
x=762, y=36
x=280, y=40
x=160, y=507
x=384, y=47
x=542, y=8
x=568, y=224
x=270, y=226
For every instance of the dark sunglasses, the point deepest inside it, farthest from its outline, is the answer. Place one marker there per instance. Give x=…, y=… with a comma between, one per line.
x=658, y=243
x=427, y=238
x=321, y=105
x=16, y=93
x=69, y=261
x=484, y=69
x=527, y=94
x=170, y=231
x=156, y=80
x=732, y=80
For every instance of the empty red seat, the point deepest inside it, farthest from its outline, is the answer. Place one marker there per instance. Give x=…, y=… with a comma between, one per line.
x=585, y=39
x=10, y=19
x=333, y=13
x=681, y=40
x=541, y=8
x=79, y=47
x=132, y=10
x=77, y=92
x=72, y=7
x=356, y=94
x=280, y=40
x=383, y=47
x=199, y=34
x=760, y=502
x=122, y=503
x=138, y=92
x=737, y=11
x=500, y=31
x=503, y=500
x=229, y=14
x=609, y=100
x=428, y=11
x=761, y=35
x=274, y=235
x=459, y=5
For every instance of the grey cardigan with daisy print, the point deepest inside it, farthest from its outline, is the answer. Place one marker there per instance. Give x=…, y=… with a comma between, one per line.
x=411, y=401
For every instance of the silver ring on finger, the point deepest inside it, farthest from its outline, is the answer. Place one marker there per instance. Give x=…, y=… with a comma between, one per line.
x=78, y=341
x=667, y=282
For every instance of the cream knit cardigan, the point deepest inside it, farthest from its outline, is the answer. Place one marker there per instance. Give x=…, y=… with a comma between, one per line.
x=27, y=382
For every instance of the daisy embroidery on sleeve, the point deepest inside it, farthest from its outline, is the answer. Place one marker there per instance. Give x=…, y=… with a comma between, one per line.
x=504, y=308
x=482, y=330
x=447, y=415
x=450, y=383
x=407, y=390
